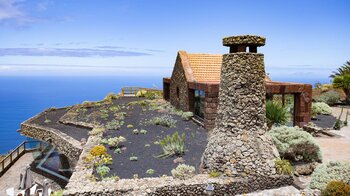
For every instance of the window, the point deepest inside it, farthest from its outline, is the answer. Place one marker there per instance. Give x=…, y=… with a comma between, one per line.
x=199, y=100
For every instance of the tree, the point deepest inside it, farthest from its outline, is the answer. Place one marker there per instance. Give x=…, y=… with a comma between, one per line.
x=345, y=69
x=343, y=82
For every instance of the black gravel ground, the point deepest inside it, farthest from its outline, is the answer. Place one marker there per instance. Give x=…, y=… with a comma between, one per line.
x=54, y=115
x=324, y=121
x=196, y=141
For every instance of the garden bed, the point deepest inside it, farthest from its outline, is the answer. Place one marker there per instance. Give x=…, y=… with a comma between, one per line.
x=145, y=147
x=50, y=118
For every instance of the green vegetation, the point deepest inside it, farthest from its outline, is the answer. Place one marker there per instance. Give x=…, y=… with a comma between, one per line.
x=295, y=144
x=114, y=124
x=334, y=188
x=332, y=171
x=214, y=174
x=135, y=131
x=114, y=178
x=114, y=108
x=164, y=120
x=97, y=131
x=331, y=97
x=187, y=115
x=276, y=114
x=104, y=114
x=284, y=167
x=133, y=158
x=346, y=118
x=110, y=97
x=102, y=170
x=172, y=145
x=183, y=171
x=117, y=151
x=114, y=141
x=57, y=193
x=150, y=171
x=130, y=126
x=338, y=123
x=98, y=150
x=143, y=131
x=47, y=120
x=343, y=70
x=320, y=108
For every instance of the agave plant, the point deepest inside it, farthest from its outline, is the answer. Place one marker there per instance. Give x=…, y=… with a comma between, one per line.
x=276, y=114
x=172, y=145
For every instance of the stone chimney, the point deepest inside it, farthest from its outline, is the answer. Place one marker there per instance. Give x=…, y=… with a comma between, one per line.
x=238, y=145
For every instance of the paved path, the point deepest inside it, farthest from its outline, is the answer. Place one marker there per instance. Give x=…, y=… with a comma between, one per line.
x=11, y=177
x=336, y=148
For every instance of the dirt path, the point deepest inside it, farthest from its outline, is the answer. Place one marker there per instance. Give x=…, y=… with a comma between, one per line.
x=337, y=148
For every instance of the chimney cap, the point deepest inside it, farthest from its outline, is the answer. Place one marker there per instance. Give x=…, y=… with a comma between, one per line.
x=249, y=40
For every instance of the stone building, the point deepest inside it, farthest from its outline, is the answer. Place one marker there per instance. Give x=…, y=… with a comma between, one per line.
x=194, y=86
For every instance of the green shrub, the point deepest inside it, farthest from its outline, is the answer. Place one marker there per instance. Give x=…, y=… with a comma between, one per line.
x=284, y=167
x=135, y=131
x=295, y=144
x=141, y=93
x=187, y=115
x=214, y=174
x=133, y=158
x=143, y=131
x=335, y=188
x=164, y=120
x=114, y=141
x=114, y=108
x=130, y=126
x=104, y=114
x=57, y=193
x=97, y=130
x=276, y=114
x=172, y=145
x=110, y=97
x=114, y=125
x=321, y=108
x=346, y=118
x=332, y=171
x=183, y=171
x=98, y=150
x=150, y=171
x=102, y=170
x=330, y=98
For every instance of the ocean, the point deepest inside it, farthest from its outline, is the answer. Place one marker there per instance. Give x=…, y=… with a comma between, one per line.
x=24, y=97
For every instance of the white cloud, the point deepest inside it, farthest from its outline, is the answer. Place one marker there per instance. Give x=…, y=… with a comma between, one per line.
x=9, y=9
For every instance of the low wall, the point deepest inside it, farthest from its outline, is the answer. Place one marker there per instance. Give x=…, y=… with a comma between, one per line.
x=64, y=143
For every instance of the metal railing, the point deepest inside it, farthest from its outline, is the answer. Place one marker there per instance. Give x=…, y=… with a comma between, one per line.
x=132, y=91
x=14, y=155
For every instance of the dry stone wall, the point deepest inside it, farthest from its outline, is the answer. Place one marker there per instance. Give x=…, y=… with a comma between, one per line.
x=64, y=143
x=238, y=145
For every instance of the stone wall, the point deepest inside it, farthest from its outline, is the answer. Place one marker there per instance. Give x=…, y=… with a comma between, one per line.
x=238, y=145
x=64, y=143
x=179, y=91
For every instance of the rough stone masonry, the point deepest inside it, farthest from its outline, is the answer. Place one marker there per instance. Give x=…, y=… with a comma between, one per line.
x=238, y=145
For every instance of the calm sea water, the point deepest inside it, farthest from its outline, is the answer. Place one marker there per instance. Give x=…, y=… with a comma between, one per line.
x=24, y=97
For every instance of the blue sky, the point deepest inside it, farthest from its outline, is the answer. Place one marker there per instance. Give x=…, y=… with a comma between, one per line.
x=84, y=37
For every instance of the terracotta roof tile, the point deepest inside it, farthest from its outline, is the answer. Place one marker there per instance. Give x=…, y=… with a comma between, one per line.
x=205, y=67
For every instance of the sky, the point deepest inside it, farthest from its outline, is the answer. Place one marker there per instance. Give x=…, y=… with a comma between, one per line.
x=305, y=38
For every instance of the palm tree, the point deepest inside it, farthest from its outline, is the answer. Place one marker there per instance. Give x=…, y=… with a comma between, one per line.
x=343, y=82
x=345, y=69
